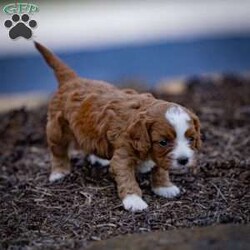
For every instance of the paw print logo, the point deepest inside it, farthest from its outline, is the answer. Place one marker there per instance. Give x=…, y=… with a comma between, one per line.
x=20, y=27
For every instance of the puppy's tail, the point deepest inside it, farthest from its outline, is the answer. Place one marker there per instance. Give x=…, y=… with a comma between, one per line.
x=62, y=71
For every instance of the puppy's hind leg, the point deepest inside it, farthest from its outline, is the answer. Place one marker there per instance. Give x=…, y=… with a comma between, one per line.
x=58, y=141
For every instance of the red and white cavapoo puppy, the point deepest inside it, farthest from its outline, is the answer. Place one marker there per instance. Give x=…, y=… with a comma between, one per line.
x=134, y=132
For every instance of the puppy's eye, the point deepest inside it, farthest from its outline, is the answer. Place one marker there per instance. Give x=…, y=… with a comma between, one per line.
x=163, y=143
x=190, y=139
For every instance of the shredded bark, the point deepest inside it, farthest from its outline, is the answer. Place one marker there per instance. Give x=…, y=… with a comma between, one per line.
x=84, y=207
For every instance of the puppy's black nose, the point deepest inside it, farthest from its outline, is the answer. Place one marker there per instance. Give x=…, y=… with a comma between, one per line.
x=182, y=160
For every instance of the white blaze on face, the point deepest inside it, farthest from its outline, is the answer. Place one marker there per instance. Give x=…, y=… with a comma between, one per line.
x=179, y=120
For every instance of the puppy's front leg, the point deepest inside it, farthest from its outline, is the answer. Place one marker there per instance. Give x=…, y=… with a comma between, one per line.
x=123, y=169
x=161, y=184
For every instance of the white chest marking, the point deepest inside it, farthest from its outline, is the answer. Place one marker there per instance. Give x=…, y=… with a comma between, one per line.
x=95, y=159
x=146, y=166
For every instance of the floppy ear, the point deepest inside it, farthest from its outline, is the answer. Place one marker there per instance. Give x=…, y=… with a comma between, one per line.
x=138, y=133
x=197, y=126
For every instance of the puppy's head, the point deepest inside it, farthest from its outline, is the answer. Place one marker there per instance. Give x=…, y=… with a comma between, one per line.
x=169, y=134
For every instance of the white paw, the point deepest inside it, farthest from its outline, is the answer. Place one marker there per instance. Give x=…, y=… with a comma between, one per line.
x=167, y=192
x=55, y=176
x=95, y=159
x=133, y=202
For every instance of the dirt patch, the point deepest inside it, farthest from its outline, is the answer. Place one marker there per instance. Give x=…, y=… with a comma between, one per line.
x=85, y=207
x=229, y=237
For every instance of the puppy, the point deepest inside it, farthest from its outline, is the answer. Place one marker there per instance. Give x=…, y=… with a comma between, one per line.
x=133, y=131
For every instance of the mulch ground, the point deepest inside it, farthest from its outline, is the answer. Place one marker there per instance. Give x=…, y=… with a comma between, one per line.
x=84, y=207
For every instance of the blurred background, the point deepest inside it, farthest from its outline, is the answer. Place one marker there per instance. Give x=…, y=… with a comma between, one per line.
x=119, y=41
